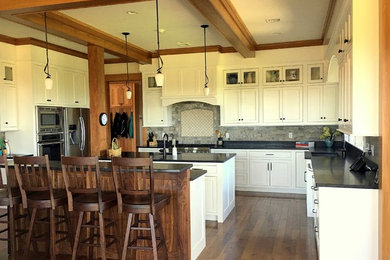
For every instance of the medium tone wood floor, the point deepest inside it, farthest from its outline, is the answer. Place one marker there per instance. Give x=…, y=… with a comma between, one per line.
x=262, y=228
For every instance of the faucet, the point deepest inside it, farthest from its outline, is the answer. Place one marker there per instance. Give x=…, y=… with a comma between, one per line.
x=165, y=138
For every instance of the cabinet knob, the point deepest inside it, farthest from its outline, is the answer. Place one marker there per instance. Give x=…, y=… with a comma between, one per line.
x=162, y=120
x=6, y=123
x=346, y=120
x=314, y=211
x=324, y=117
x=346, y=41
x=316, y=229
x=76, y=102
x=281, y=118
x=340, y=51
x=284, y=118
x=5, y=78
x=321, y=117
x=314, y=188
x=339, y=119
x=321, y=78
x=315, y=201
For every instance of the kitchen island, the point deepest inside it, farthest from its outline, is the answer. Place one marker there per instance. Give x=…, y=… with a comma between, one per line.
x=170, y=178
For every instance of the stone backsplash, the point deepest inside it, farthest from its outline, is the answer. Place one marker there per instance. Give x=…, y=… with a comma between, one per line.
x=237, y=133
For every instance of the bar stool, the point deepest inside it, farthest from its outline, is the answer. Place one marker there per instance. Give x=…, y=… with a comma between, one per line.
x=33, y=175
x=10, y=197
x=134, y=183
x=83, y=186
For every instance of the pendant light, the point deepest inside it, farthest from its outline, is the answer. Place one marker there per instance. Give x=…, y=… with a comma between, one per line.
x=206, y=90
x=159, y=75
x=128, y=92
x=48, y=80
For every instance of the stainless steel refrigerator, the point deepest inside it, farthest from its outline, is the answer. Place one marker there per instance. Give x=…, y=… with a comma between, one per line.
x=76, y=131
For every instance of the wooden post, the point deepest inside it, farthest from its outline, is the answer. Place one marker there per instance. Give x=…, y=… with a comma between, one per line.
x=384, y=83
x=100, y=135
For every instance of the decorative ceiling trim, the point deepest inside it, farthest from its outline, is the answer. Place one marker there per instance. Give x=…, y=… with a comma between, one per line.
x=28, y=6
x=224, y=17
x=66, y=27
x=39, y=43
x=328, y=19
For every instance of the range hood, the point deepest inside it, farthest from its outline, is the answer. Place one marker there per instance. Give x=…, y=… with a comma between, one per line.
x=167, y=101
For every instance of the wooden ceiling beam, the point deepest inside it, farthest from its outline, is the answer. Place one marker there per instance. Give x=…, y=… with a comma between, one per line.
x=27, y=6
x=66, y=27
x=224, y=17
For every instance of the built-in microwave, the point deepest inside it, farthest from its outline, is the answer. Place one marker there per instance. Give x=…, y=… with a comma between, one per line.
x=50, y=119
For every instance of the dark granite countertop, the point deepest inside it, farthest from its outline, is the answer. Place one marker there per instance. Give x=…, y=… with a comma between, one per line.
x=196, y=173
x=333, y=171
x=181, y=157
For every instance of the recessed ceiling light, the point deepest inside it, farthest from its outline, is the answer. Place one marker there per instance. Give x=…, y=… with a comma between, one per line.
x=273, y=20
x=183, y=44
x=131, y=12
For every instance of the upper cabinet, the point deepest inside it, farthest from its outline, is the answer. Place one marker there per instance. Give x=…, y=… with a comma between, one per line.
x=241, y=77
x=282, y=75
x=154, y=113
x=70, y=88
x=315, y=73
x=7, y=72
x=322, y=105
x=9, y=108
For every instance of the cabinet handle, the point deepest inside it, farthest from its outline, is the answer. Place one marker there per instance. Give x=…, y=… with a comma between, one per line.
x=316, y=229
x=314, y=188
x=340, y=51
x=76, y=102
x=304, y=176
x=346, y=41
x=346, y=120
x=268, y=166
x=5, y=79
x=271, y=166
x=316, y=201
x=269, y=154
x=48, y=100
x=339, y=119
x=314, y=211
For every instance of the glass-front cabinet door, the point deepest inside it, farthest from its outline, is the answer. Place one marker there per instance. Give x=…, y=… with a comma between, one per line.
x=292, y=74
x=249, y=77
x=315, y=73
x=232, y=77
x=8, y=72
x=272, y=76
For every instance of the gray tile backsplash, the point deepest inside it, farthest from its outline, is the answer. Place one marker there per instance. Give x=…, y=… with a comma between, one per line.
x=237, y=133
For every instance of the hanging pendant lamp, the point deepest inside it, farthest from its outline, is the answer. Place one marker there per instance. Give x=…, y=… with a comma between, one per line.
x=128, y=92
x=159, y=75
x=206, y=89
x=48, y=79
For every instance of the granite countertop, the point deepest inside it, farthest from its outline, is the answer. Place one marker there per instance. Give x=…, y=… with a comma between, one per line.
x=332, y=170
x=181, y=157
x=196, y=173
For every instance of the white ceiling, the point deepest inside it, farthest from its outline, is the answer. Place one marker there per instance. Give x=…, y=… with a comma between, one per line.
x=299, y=20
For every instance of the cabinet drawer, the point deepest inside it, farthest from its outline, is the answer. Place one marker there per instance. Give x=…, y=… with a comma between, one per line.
x=269, y=154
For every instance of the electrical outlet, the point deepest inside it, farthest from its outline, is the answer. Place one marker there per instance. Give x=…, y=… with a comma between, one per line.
x=227, y=135
x=290, y=135
x=372, y=150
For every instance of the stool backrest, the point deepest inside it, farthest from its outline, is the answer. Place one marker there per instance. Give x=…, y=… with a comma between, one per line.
x=81, y=176
x=6, y=186
x=133, y=176
x=33, y=175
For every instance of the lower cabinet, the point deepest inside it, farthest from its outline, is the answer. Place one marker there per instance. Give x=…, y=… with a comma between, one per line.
x=198, y=216
x=268, y=170
x=9, y=109
x=352, y=214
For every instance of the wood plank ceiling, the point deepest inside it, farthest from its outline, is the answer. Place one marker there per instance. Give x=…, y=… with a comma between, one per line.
x=221, y=14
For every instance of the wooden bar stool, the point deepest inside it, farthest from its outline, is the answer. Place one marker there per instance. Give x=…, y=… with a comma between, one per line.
x=83, y=185
x=134, y=184
x=35, y=183
x=10, y=197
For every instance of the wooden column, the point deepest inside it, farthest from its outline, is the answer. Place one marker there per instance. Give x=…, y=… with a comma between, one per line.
x=384, y=83
x=98, y=101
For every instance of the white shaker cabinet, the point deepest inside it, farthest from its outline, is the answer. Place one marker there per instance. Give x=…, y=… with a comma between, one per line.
x=282, y=105
x=43, y=96
x=154, y=113
x=75, y=89
x=9, y=108
x=315, y=73
x=240, y=106
x=322, y=103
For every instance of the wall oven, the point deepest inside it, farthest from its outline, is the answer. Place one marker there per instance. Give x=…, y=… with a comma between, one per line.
x=50, y=119
x=51, y=144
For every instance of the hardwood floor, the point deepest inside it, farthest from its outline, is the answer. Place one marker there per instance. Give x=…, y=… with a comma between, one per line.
x=262, y=228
